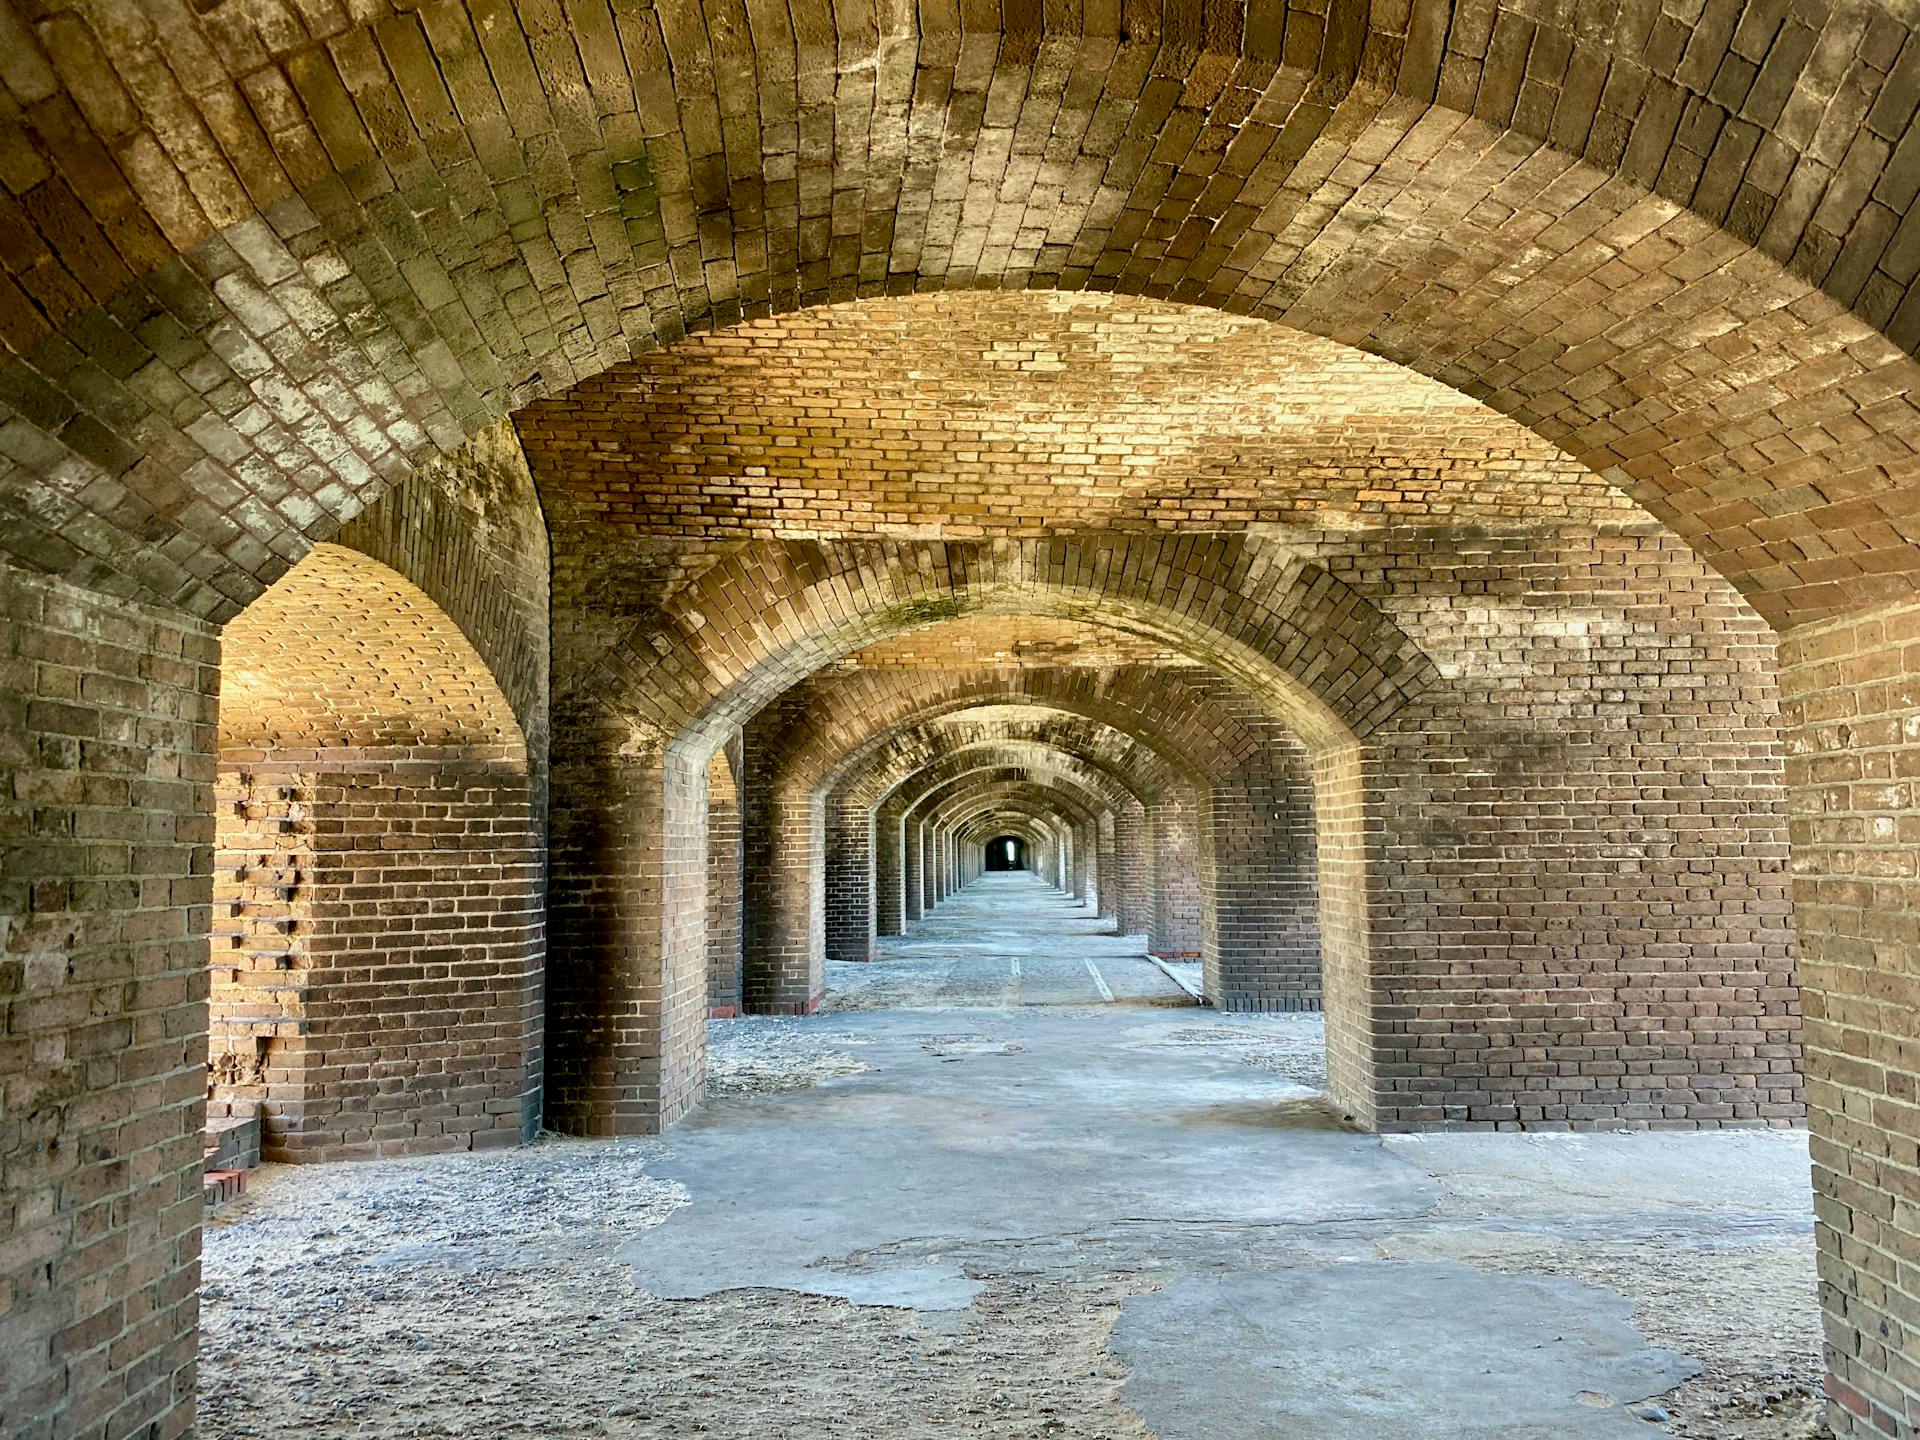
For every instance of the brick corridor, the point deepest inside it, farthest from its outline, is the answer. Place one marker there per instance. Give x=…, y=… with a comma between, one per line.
x=1005, y=939
x=542, y=543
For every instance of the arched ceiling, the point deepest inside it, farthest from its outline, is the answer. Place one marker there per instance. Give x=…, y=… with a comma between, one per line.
x=1028, y=413
x=344, y=653
x=260, y=259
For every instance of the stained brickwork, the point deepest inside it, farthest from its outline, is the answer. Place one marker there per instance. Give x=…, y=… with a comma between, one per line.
x=1639, y=755
x=106, y=775
x=1851, y=697
x=724, y=885
x=288, y=338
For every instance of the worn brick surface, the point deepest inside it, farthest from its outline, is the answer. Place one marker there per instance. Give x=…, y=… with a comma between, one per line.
x=106, y=833
x=1851, y=689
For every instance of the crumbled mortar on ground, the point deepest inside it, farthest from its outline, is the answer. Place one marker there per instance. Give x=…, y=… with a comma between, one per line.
x=764, y=1055
x=404, y=1297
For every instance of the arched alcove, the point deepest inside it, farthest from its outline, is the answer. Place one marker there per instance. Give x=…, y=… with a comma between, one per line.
x=378, y=940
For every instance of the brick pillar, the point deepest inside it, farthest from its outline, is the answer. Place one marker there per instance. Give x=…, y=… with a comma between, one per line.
x=1175, y=930
x=627, y=960
x=929, y=867
x=724, y=880
x=1135, y=906
x=889, y=872
x=1343, y=859
x=1848, y=691
x=106, y=830
x=395, y=928
x=785, y=946
x=1261, y=941
x=913, y=870
x=850, y=881
x=1107, y=868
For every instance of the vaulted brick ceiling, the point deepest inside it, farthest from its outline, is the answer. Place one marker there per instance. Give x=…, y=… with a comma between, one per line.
x=346, y=653
x=982, y=413
x=259, y=259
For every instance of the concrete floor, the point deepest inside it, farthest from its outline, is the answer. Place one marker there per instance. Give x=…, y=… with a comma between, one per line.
x=1012, y=1183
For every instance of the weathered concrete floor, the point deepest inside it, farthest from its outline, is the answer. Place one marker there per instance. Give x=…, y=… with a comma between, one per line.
x=979, y=1197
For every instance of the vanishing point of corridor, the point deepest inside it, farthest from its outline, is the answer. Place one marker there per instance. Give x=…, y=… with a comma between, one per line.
x=1014, y=1182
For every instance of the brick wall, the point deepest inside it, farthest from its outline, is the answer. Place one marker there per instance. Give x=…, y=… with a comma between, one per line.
x=627, y=968
x=1579, y=889
x=407, y=1019
x=1851, y=692
x=106, y=770
x=1175, y=931
x=1260, y=933
x=724, y=882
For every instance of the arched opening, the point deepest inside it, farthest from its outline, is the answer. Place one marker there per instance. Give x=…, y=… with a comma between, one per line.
x=1006, y=852
x=377, y=937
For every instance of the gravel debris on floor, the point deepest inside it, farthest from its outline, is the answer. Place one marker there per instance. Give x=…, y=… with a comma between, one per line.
x=767, y=1054
x=479, y=1294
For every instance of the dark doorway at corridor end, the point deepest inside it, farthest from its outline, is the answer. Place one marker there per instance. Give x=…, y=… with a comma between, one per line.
x=1006, y=852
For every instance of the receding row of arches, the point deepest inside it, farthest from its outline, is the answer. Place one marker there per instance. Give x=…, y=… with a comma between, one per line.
x=1512, y=662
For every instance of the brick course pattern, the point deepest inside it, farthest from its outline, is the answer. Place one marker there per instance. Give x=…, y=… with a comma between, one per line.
x=106, y=812
x=1853, y=692
x=364, y=234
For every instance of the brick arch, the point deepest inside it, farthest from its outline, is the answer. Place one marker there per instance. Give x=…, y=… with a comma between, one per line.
x=873, y=805
x=378, y=878
x=1283, y=138
x=343, y=652
x=814, y=854
x=873, y=777
x=835, y=722
x=1107, y=800
x=868, y=859
x=1321, y=657
x=1040, y=796
x=1090, y=816
x=153, y=493
x=868, y=812
x=834, y=878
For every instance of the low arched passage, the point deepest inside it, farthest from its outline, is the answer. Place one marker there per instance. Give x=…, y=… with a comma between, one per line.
x=378, y=937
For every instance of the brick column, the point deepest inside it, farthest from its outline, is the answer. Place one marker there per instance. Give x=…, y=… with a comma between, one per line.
x=1108, y=870
x=106, y=826
x=889, y=872
x=1848, y=691
x=627, y=961
x=1261, y=943
x=1135, y=908
x=1175, y=931
x=849, y=884
x=929, y=867
x=785, y=897
x=724, y=884
x=913, y=870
